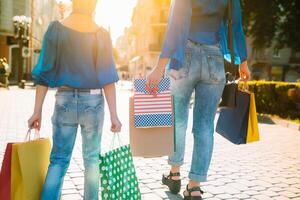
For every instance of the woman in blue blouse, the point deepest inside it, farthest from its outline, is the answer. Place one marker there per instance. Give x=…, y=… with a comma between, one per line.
x=194, y=48
x=77, y=59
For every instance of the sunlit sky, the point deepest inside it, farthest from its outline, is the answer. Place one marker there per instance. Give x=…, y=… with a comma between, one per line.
x=115, y=14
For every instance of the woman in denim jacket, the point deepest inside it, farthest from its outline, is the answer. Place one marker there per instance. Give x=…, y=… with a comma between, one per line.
x=77, y=59
x=194, y=50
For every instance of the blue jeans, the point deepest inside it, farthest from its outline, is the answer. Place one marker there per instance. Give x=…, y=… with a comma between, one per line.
x=73, y=108
x=203, y=72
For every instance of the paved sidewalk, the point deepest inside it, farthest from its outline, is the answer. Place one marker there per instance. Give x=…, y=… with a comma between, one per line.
x=269, y=169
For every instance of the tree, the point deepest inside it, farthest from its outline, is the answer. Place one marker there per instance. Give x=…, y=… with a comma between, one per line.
x=288, y=33
x=272, y=22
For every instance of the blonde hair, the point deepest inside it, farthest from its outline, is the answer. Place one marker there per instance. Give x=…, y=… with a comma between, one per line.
x=87, y=6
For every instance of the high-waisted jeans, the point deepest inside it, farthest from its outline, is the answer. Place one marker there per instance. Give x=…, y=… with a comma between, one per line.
x=203, y=73
x=73, y=108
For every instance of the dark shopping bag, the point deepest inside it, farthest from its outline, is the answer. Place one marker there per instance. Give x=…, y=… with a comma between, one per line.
x=5, y=174
x=118, y=176
x=228, y=99
x=239, y=125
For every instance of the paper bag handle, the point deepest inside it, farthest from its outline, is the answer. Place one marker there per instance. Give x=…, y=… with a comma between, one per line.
x=243, y=86
x=153, y=91
x=28, y=134
x=113, y=141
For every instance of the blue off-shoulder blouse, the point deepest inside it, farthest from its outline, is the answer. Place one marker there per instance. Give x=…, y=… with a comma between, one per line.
x=205, y=22
x=75, y=59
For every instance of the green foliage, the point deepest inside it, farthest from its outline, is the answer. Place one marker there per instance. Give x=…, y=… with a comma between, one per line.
x=267, y=21
x=276, y=98
x=288, y=30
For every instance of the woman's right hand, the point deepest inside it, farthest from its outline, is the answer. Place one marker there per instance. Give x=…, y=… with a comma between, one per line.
x=115, y=124
x=155, y=76
x=34, y=122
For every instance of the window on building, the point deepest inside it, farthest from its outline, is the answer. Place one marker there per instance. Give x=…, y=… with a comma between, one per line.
x=276, y=54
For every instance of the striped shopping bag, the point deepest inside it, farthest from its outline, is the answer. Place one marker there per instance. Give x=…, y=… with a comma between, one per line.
x=153, y=105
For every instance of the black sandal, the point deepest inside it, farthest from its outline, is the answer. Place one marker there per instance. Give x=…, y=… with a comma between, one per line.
x=194, y=189
x=173, y=185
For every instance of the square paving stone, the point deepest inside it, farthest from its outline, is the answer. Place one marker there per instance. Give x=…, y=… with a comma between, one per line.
x=151, y=197
x=293, y=189
x=261, y=197
x=72, y=197
x=76, y=174
x=281, y=198
x=145, y=190
x=288, y=194
x=269, y=193
x=69, y=191
x=154, y=185
x=68, y=185
x=78, y=180
x=242, y=196
x=224, y=196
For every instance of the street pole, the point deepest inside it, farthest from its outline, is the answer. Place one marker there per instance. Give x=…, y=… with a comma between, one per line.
x=30, y=60
x=21, y=26
x=20, y=67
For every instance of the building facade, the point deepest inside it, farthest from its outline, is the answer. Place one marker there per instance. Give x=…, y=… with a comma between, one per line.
x=41, y=13
x=149, y=22
x=9, y=47
x=274, y=65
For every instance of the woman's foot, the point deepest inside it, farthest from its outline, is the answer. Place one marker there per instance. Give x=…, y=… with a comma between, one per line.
x=194, y=193
x=173, y=182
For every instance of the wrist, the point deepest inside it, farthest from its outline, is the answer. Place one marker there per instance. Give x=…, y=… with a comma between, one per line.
x=160, y=69
x=37, y=111
x=113, y=115
x=243, y=64
x=162, y=63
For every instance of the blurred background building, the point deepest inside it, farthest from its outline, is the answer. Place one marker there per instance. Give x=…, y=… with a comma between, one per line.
x=141, y=44
x=38, y=14
x=273, y=64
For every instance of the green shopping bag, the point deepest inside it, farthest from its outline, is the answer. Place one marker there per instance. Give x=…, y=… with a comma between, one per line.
x=118, y=176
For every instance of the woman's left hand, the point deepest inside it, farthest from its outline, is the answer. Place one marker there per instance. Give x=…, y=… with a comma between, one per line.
x=245, y=74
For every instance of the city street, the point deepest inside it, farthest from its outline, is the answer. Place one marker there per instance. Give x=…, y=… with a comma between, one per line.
x=266, y=170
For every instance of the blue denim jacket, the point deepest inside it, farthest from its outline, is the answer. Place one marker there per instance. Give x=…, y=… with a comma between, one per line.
x=202, y=21
x=75, y=59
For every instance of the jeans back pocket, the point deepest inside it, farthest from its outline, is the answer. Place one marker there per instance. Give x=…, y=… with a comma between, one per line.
x=215, y=73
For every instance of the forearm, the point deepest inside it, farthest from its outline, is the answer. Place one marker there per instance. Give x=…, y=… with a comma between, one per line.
x=110, y=95
x=161, y=64
x=40, y=94
x=178, y=29
x=240, y=45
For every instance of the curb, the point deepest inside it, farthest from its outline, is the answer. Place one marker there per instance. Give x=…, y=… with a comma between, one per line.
x=282, y=122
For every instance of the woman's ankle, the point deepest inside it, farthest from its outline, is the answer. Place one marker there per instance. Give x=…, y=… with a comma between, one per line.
x=193, y=184
x=175, y=169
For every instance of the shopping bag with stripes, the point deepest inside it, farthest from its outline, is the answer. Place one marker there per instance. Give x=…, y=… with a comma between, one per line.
x=153, y=106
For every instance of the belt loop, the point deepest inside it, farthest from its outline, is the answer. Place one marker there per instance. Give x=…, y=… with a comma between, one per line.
x=76, y=93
